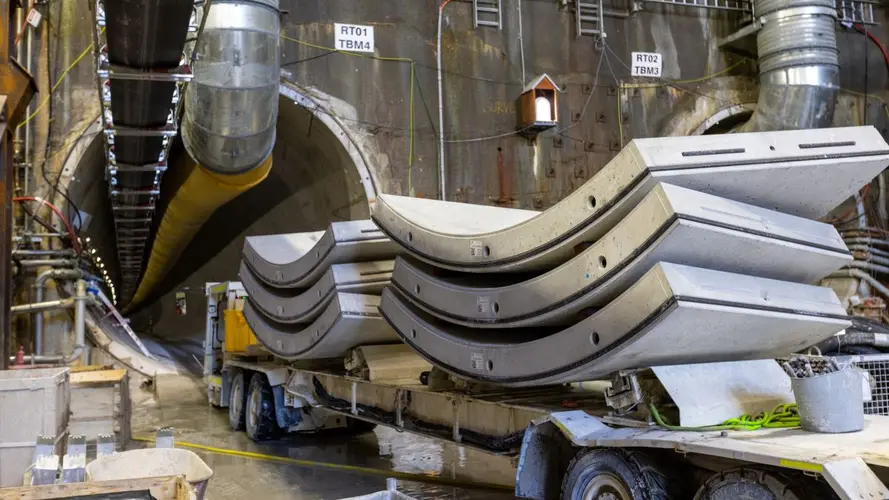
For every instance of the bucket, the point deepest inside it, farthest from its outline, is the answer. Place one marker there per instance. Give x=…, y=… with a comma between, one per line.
x=152, y=462
x=830, y=403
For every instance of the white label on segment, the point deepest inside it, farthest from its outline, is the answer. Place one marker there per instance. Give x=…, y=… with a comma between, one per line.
x=647, y=64
x=482, y=303
x=476, y=248
x=353, y=37
x=34, y=18
x=477, y=360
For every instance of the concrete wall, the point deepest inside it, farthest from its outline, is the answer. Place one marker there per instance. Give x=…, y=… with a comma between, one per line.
x=313, y=181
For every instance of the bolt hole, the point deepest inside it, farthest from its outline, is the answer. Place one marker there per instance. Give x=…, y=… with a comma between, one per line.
x=417, y=289
x=490, y=365
x=487, y=251
x=592, y=201
x=602, y=262
x=496, y=308
x=772, y=148
x=594, y=338
x=413, y=334
x=317, y=333
x=410, y=236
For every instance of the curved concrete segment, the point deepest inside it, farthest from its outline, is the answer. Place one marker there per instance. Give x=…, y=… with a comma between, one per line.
x=671, y=224
x=800, y=172
x=673, y=315
x=298, y=260
x=304, y=305
x=349, y=320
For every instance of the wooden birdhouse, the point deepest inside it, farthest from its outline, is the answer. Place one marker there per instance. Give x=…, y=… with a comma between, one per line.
x=538, y=106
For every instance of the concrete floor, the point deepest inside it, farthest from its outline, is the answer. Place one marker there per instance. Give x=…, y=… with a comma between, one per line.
x=180, y=402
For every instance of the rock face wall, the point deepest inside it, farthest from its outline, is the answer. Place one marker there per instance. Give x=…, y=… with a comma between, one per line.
x=369, y=123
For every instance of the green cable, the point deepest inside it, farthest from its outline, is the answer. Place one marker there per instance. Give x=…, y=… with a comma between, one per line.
x=782, y=416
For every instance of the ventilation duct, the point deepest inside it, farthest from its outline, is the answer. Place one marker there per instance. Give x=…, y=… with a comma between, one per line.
x=231, y=106
x=231, y=110
x=798, y=65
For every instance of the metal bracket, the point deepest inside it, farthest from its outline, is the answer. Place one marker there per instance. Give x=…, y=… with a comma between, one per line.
x=46, y=462
x=104, y=445
x=74, y=462
x=163, y=438
x=625, y=392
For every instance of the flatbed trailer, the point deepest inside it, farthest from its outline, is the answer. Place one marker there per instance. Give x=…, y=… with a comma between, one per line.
x=579, y=441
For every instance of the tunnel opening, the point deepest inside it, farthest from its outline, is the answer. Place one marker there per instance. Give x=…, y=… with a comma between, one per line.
x=315, y=180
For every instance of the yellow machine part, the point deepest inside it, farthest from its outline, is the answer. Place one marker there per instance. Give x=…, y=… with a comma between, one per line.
x=202, y=192
x=238, y=335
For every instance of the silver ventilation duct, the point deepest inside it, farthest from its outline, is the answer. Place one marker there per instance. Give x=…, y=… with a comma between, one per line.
x=798, y=65
x=231, y=105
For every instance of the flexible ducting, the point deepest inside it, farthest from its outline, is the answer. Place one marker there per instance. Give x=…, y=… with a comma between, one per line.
x=228, y=128
x=798, y=65
x=231, y=106
x=200, y=195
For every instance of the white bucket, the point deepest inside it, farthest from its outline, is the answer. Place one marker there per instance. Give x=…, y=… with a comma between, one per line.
x=152, y=462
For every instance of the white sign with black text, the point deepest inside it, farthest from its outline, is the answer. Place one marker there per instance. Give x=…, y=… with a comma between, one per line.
x=647, y=64
x=354, y=37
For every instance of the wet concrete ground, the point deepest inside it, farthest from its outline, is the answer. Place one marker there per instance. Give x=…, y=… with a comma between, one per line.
x=180, y=402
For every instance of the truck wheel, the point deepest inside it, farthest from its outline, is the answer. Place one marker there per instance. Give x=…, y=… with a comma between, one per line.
x=237, y=401
x=260, y=421
x=612, y=474
x=761, y=484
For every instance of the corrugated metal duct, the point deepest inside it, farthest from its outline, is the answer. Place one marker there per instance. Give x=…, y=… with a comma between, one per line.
x=798, y=65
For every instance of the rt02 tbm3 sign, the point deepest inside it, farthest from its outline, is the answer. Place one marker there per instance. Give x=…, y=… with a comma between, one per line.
x=647, y=64
x=353, y=37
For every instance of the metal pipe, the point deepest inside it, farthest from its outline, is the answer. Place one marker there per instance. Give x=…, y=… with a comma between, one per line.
x=870, y=250
x=231, y=105
x=881, y=199
x=80, y=322
x=799, y=65
x=49, y=263
x=43, y=253
x=42, y=306
x=442, y=183
x=29, y=63
x=39, y=288
x=79, y=352
x=863, y=276
x=871, y=267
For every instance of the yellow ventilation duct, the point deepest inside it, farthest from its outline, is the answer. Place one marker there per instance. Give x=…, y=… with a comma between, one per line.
x=200, y=195
x=228, y=128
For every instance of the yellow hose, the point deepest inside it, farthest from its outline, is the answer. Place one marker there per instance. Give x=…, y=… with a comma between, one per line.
x=197, y=198
x=407, y=476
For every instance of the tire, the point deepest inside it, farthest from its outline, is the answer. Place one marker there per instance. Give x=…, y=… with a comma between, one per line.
x=260, y=421
x=237, y=401
x=752, y=483
x=614, y=474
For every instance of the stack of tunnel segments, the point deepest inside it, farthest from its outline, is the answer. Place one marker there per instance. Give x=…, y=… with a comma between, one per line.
x=316, y=294
x=680, y=250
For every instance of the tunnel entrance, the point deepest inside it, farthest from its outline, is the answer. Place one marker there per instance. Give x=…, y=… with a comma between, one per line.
x=319, y=175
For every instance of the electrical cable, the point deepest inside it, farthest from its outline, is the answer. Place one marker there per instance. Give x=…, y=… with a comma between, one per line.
x=59, y=214
x=782, y=416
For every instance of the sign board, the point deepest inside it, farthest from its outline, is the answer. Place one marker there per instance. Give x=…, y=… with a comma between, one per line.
x=354, y=37
x=34, y=18
x=647, y=64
